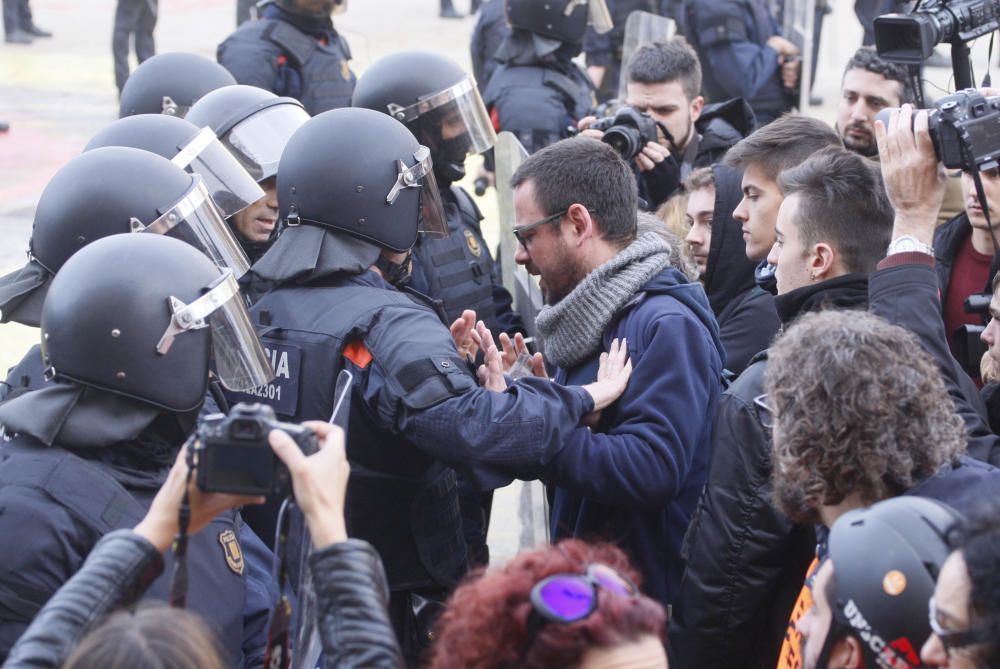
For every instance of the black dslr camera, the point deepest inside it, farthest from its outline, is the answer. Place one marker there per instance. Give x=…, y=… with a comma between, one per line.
x=234, y=455
x=965, y=128
x=968, y=346
x=910, y=38
x=627, y=131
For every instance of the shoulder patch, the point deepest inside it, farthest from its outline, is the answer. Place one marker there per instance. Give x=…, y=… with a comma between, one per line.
x=473, y=243
x=231, y=549
x=358, y=353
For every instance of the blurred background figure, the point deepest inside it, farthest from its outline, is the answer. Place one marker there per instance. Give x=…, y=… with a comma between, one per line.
x=135, y=21
x=18, y=26
x=448, y=10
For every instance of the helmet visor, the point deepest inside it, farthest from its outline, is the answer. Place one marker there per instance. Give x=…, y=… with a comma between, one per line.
x=258, y=141
x=227, y=182
x=421, y=175
x=240, y=361
x=196, y=220
x=460, y=112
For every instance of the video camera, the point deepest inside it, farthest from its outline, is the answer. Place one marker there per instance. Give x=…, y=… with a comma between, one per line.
x=234, y=455
x=965, y=129
x=628, y=131
x=910, y=38
x=966, y=341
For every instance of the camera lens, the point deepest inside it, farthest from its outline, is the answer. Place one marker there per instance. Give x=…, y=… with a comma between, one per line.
x=624, y=140
x=245, y=430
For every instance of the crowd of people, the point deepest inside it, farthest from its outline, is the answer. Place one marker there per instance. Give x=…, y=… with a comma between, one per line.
x=280, y=372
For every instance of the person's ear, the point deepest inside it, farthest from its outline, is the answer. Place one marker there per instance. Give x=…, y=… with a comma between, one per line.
x=822, y=261
x=582, y=224
x=696, y=106
x=855, y=658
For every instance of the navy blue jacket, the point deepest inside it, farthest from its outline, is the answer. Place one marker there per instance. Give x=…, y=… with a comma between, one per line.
x=731, y=39
x=637, y=478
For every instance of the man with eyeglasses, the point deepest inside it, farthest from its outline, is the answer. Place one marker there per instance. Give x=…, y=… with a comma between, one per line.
x=635, y=477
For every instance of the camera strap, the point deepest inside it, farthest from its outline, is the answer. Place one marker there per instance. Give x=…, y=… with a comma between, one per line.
x=179, y=580
x=278, y=655
x=981, y=194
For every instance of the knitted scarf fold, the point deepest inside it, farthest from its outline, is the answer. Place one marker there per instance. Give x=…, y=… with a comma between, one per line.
x=573, y=329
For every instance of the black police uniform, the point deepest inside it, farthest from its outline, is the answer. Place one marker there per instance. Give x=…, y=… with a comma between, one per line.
x=58, y=503
x=459, y=272
x=606, y=50
x=538, y=98
x=292, y=55
x=415, y=410
x=730, y=37
x=490, y=31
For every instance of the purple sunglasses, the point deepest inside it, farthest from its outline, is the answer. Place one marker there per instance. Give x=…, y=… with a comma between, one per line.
x=566, y=598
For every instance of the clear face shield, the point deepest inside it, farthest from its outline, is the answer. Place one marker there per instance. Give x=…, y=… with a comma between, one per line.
x=465, y=123
x=226, y=180
x=240, y=361
x=421, y=175
x=196, y=220
x=258, y=141
x=599, y=16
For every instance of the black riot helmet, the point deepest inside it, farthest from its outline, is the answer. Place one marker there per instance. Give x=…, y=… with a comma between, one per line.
x=561, y=20
x=252, y=123
x=363, y=173
x=109, y=191
x=438, y=102
x=169, y=83
x=184, y=144
x=142, y=316
x=314, y=8
x=886, y=559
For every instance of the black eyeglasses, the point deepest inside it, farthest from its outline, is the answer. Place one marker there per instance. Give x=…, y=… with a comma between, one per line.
x=519, y=231
x=955, y=639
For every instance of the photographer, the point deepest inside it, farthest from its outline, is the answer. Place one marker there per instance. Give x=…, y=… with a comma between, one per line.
x=905, y=290
x=349, y=581
x=664, y=82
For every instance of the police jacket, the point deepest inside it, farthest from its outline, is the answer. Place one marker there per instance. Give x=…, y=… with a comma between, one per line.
x=292, y=56
x=347, y=578
x=745, y=559
x=538, y=98
x=636, y=479
x=730, y=37
x=26, y=375
x=746, y=314
x=415, y=411
x=459, y=272
x=490, y=31
x=60, y=503
x=905, y=292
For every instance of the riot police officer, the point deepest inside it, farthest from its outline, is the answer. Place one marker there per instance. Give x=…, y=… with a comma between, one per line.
x=169, y=84
x=440, y=105
x=538, y=92
x=355, y=187
x=254, y=125
x=129, y=327
x=293, y=50
x=103, y=192
x=196, y=150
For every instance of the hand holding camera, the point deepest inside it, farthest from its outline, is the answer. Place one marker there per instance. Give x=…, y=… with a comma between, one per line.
x=319, y=480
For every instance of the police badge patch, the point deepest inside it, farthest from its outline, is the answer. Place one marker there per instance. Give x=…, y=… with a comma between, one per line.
x=473, y=243
x=232, y=551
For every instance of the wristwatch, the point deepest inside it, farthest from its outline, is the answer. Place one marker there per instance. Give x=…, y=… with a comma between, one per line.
x=908, y=244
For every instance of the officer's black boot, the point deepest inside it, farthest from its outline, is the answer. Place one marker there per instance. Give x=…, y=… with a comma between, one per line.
x=448, y=10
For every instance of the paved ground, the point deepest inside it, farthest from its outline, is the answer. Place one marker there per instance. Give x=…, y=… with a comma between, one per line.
x=57, y=93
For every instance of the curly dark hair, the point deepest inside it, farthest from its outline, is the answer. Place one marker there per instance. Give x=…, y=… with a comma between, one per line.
x=486, y=623
x=980, y=546
x=866, y=58
x=860, y=408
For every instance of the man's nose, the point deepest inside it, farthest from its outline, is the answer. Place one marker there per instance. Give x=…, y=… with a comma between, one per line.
x=521, y=255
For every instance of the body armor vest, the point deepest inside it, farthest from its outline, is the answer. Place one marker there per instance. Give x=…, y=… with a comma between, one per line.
x=400, y=500
x=97, y=504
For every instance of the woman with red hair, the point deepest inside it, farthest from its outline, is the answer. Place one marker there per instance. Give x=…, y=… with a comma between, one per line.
x=569, y=605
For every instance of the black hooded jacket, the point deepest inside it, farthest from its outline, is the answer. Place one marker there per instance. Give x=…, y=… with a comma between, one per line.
x=746, y=313
x=745, y=559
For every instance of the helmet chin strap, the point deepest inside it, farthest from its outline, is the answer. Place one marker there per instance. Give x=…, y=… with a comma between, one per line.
x=393, y=272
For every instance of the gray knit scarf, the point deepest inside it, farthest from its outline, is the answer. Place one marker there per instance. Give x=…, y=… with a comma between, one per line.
x=573, y=329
